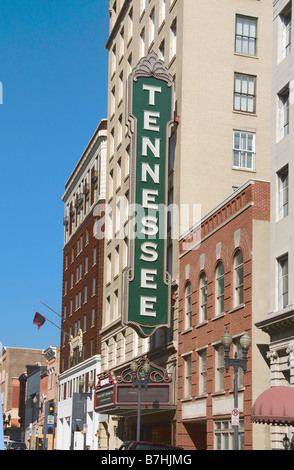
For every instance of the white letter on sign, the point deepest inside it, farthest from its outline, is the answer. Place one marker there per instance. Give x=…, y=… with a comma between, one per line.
x=147, y=278
x=150, y=121
x=146, y=304
x=152, y=90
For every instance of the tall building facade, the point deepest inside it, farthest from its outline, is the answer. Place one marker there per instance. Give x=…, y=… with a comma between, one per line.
x=83, y=252
x=219, y=57
x=279, y=319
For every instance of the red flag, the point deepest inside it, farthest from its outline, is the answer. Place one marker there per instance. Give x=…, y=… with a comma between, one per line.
x=39, y=320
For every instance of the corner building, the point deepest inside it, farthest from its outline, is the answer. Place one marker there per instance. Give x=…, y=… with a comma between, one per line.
x=219, y=55
x=83, y=252
x=224, y=276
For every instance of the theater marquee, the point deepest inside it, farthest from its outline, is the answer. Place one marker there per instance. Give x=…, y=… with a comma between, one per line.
x=146, y=282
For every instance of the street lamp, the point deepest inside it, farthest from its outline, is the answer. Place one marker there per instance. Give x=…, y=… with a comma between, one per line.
x=245, y=342
x=139, y=379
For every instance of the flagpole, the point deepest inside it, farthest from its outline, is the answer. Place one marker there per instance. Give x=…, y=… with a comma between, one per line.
x=65, y=319
x=53, y=323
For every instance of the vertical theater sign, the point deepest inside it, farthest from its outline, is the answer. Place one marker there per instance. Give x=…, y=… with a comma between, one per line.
x=146, y=282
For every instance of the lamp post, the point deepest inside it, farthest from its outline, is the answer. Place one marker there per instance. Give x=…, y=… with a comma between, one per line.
x=139, y=379
x=245, y=342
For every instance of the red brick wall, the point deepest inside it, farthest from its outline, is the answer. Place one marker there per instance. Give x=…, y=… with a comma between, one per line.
x=91, y=334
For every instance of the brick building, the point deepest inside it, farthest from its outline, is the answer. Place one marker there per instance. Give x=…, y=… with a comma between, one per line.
x=224, y=282
x=13, y=363
x=83, y=258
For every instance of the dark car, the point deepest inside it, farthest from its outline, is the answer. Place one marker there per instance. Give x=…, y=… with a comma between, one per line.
x=144, y=445
x=15, y=445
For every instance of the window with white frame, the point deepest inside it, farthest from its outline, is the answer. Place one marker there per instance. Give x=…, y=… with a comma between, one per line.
x=130, y=24
x=142, y=43
x=283, y=192
x=203, y=297
x=244, y=93
x=283, y=282
x=188, y=305
x=244, y=150
x=187, y=375
x=286, y=22
x=224, y=435
x=219, y=368
x=219, y=289
x=246, y=35
x=151, y=27
x=202, y=371
x=238, y=278
x=162, y=11
x=284, y=109
x=173, y=39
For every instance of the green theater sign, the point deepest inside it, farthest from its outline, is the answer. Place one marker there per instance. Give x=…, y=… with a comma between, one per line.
x=146, y=282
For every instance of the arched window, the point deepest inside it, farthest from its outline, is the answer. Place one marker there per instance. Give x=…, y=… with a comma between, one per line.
x=238, y=278
x=219, y=289
x=188, y=306
x=203, y=297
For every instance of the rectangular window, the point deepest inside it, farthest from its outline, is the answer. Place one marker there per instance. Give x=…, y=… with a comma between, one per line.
x=244, y=150
x=283, y=282
x=219, y=368
x=224, y=435
x=246, y=35
x=202, y=372
x=283, y=196
x=173, y=39
x=187, y=371
x=245, y=93
x=286, y=22
x=284, y=113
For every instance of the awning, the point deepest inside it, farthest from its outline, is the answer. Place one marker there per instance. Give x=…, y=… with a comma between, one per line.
x=275, y=406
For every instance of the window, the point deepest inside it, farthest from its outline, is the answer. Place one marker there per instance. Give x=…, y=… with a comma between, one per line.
x=219, y=368
x=187, y=372
x=203, y=297
x=244, y=93
x=238, y=278
x=173, y=39
x=151, y=27
x=285, y=19
x=224, y=435
x=130, y=24
x=142, y=43
x=93, y=317
x=283, y=282
x=219, y=288
x=188, y=306
x=202, y=372
x=284, y=113
x=244, y=150
x=162, y=11
x=283, y=188
x=246, y=35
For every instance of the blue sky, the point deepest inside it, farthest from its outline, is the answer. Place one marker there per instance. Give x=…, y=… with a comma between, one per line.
x=53, y=70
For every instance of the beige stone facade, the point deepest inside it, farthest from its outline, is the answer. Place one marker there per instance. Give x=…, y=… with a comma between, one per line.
x=279, y=319
x=219, y=54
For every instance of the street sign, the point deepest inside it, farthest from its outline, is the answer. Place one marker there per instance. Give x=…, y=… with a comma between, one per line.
x=235, y=417
x=50, y=419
